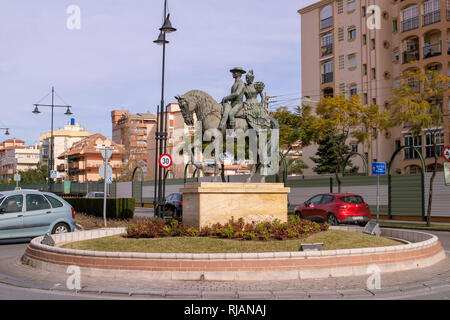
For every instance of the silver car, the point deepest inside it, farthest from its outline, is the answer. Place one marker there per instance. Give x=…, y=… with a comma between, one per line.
x=31, y=213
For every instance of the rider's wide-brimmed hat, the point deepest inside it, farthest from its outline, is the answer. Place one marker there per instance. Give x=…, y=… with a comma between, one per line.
x=237, y=69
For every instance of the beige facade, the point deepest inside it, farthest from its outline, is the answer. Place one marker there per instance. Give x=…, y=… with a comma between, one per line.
x=15, y=156
x=84, y=159
x=176, y=130
x=344, y=51
x=132, y=131
x=63, y=141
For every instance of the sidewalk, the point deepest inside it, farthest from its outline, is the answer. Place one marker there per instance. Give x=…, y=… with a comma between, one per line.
x=397, y=284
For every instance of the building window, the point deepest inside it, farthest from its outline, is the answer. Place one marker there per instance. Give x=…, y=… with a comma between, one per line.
x=340, y=5
x=372, y=44
x=340, y=34
x=351, y=5
x=410, y=143
x=431, y=12
x=374, y=74
x=327, y=44
x=351, y=34
x=341, y=62
x=327, y=72
x=396, y=56
x=342, y=88
x=429, y=149
x=326, y=17
x=365, y=98
x=365, y=69
x=363, y=11
x=374, y=101
x=352, y=61
x=364, y=39
x=354, y=147
x=353, y=90
x=410, y=18
x=394, y=25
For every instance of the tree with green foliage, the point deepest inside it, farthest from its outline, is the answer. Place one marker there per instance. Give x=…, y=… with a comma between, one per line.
x=296, y=131
x=38, y=175
x=418, y=106
x=339, y=118
x=331, y=154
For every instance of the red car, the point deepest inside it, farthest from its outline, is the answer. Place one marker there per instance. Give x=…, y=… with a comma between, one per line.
x=335, y=208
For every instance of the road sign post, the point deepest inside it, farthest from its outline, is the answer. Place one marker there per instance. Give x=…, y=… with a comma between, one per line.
x=446, y=153
x=105, y=171
x=378, y=169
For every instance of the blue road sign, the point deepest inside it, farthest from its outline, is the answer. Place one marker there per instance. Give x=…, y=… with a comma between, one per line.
x=53, y=174
x=378, y=168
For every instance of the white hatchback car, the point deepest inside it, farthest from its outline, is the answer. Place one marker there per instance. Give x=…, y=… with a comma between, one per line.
x=31, y=213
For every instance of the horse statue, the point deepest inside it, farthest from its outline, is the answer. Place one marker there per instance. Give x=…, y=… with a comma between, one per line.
x=210, y=114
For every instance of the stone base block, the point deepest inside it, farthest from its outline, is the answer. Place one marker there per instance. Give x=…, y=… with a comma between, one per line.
x=207, y=203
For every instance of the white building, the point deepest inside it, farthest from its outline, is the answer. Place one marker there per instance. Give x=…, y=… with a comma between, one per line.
x=63, y=141
x=20, y=159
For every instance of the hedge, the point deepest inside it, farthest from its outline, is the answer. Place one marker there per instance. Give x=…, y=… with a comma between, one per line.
x=116, y=208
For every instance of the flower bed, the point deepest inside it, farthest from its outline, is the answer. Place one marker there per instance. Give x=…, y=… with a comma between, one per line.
x=295, y=228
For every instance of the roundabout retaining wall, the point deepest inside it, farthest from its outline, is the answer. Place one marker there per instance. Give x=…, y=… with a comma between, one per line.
x=423, y=250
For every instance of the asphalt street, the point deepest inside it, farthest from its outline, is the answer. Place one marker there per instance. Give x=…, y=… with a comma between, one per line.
x=14, y=288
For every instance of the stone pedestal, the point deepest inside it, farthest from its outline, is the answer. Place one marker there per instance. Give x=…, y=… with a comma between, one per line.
x=207, y=203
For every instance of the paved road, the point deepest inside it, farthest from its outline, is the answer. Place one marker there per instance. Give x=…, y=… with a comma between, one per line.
x=144, y=212
x=17, y=288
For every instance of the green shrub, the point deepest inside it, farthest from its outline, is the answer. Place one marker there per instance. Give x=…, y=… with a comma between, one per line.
x=295, y=228
x=116, y=208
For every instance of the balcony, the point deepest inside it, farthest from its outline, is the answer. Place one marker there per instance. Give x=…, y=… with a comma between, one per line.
x=414, y=85
x=448, y=14
x=327, y=77
x=327, y=49
x=432, y=49
x=431, y=17
x=410, y=55
x=410, y=24
x=326, y=23
x=61, y=167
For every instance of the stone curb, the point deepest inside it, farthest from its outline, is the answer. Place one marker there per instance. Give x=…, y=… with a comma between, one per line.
x=99, y=233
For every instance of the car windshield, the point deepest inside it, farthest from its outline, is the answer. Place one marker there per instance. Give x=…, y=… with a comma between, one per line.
x=352, y=199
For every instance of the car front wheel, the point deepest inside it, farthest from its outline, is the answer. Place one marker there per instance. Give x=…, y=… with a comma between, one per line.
x=299, y=214
x=332, y=220
x=60, y=228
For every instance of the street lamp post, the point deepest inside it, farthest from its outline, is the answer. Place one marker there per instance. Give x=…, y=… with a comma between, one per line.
x=161, y=127
x=6, y=131
x=68, y=113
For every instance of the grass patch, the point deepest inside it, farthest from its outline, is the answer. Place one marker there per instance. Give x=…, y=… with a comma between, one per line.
x=332, y=239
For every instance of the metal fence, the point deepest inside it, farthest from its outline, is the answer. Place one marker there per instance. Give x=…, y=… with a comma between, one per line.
x=408, y=197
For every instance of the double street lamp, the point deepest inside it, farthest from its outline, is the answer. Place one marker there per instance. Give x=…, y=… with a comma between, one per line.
x=6, y=131
x=161, y=126
x=51, y=166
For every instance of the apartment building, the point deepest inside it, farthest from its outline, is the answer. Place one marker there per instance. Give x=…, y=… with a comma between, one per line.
x=176, y=130
x=63, y=139
x=345, y=50
x=15, y=156
x=132, y=131
x=84, y=159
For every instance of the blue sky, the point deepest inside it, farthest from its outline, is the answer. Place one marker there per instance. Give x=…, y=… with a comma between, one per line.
x=112, y=62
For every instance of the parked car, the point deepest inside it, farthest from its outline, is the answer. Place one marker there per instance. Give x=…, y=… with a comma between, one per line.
x=173, y=206
x=31, y=213
x=95, y=195
x=335, y=208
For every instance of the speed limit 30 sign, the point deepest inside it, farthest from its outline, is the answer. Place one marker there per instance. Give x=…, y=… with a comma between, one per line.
x=446, y=153
x=165, y=161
